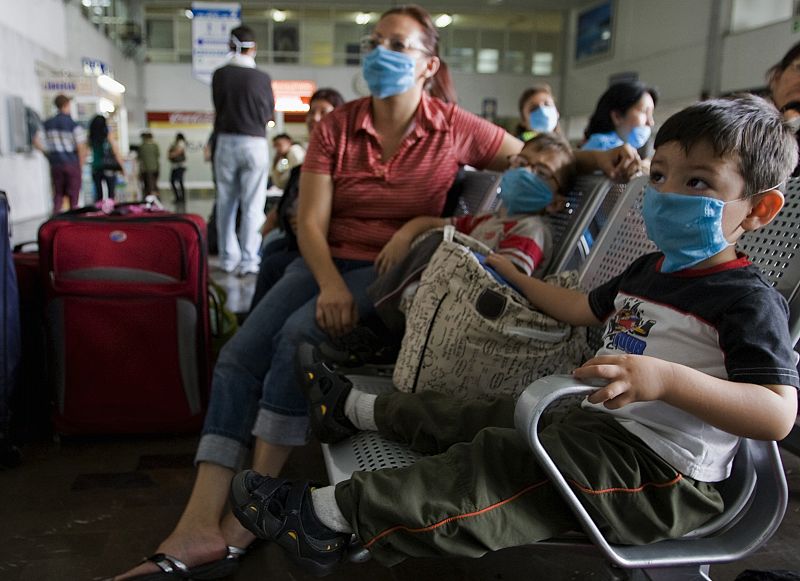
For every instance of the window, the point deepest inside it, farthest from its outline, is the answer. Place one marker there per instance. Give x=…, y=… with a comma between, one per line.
x=488, y=60
x=286, y=43
x=542, y=63
x=159, y=34
x=749, y=14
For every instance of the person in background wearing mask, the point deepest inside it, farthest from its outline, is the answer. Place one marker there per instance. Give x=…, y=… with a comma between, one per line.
x=244, y=103
x=63, y=140
x=624, y=115
x=537, y=112
x=784, y=86
x=288, y=155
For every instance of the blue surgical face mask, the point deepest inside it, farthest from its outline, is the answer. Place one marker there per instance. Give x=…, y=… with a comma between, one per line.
x=543, y=119
x=639, y=136
x=388, y=72
x=524, y=192
x=687, y=229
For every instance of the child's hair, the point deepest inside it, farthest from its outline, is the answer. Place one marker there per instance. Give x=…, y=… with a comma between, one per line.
x=555, y=142
x=745, y=127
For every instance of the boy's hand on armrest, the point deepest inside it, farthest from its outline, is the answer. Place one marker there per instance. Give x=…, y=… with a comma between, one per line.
x=631, y=378
x=749, y=410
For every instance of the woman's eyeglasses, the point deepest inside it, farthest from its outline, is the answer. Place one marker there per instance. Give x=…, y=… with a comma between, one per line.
x=541, y=170
x=370, y=43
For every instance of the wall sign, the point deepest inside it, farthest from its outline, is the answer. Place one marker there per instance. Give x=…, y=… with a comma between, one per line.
x=212, y=23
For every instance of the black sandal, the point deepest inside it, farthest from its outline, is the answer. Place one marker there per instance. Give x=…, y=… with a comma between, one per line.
x=251, y=495
x=173, y=568
x=326, y=392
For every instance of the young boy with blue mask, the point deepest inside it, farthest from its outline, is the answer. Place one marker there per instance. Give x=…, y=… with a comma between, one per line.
x=643, y=453
x=538, y=178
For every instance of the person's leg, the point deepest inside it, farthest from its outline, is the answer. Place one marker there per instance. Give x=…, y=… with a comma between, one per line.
x=59, y=178
x=283, y=417
x=73, y=187
x=271, y=270
x=181, y=189
x=226, y=169
x=236, y=387
x=476, y=497
x=253, y=181
x=97, y=178
x=173, y=182
x=431, y=422
x=111, y=184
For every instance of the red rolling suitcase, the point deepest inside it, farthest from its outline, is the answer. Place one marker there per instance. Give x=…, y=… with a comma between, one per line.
x=126, y=307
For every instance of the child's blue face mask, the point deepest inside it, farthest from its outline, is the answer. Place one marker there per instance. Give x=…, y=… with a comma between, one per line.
x=388, y=72
x=639, y=136
x=543, y=119
x=524, y=192
x=687, y=229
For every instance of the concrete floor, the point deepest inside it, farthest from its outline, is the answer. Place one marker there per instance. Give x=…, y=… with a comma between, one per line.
x=87, y=508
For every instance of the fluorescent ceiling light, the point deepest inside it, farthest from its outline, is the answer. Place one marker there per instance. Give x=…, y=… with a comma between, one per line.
x=86, y=3
x=188, y=13
x=108, y=84
x=443, y=20
x=363, y=18
x=278, y=15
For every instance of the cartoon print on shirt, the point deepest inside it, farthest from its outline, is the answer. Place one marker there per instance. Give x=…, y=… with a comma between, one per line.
x=626, y=327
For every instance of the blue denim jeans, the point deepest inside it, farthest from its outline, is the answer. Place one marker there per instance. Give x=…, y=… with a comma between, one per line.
x=254, y=390
x=240, y=165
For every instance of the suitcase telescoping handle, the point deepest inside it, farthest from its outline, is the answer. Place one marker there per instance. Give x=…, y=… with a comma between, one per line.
x=110, y=208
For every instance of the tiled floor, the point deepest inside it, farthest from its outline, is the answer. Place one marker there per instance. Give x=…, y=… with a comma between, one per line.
x=86, y=508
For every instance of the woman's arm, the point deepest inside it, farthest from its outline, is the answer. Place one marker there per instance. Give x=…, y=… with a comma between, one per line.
x=620, y=164
x=336, y=309
x=397, y=247
x=508, y=147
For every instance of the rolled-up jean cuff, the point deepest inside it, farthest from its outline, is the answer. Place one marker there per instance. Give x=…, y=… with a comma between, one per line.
x=275, y=428
x=221, y=450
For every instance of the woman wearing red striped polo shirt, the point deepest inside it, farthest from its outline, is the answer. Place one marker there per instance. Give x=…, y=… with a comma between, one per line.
x=372, y=165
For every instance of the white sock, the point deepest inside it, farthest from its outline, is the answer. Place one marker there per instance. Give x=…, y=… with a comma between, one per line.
x=327, y=511
x=359, y=408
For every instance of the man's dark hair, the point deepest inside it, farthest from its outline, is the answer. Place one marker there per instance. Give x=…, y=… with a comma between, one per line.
x=282, y=136
x=242, y=34
x=60, y=101
x=744, y=127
